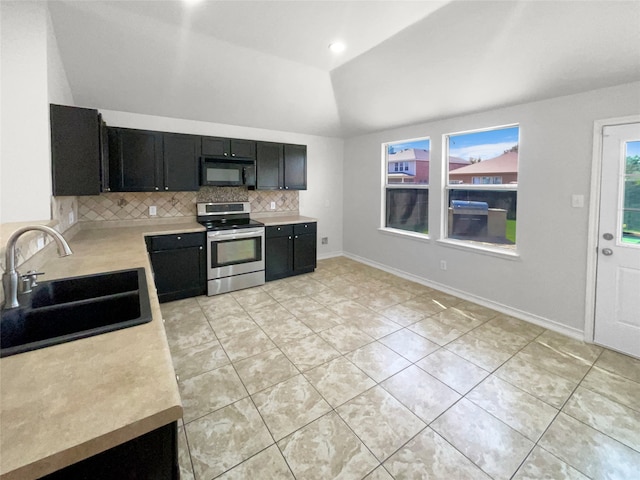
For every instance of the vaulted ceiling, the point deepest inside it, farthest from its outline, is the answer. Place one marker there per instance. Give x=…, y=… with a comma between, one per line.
x=266, y=64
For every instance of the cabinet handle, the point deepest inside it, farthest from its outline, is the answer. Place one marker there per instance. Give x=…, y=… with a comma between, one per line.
x=296, y=236
x=179, y=238
x=166, y=188
x=233, y=154
x=289, y=237
x=226, y=154
x=286, y=188
x=200, y=248
x=279, y=229
x=157, y=188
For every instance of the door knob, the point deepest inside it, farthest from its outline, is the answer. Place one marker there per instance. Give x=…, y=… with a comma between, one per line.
x=607, y=251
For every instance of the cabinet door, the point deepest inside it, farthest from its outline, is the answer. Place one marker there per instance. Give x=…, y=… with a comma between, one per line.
x=104, y=156
x=295, y=167
x=75, y=150
x=243, y=148
x=269, y=158
x=278, y=257
x=178, y=273
x=304, y=253
x=216, y=146
x=181, y=155
x=135, y=160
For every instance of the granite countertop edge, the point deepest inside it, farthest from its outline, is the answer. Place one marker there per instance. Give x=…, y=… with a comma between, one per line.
x=62, y=404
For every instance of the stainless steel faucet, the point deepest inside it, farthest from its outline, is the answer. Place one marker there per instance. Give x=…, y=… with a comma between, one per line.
x=11, y=277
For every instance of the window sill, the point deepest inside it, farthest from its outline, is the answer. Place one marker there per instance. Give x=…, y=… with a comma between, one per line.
x=396, y=232
x=480, y=248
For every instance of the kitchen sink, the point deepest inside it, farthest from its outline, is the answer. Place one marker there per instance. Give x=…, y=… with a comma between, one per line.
x=74, y=289
x=59, y=311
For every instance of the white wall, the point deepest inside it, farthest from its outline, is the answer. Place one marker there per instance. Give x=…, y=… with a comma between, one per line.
x=58, y=84
x=32, y=77
x=323, y=197
x=547, y=282
x=24, y=155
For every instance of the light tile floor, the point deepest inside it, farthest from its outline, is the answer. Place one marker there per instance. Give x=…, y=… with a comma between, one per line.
x=351, y=372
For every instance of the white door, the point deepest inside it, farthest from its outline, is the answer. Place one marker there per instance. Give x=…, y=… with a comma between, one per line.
x=617, y=323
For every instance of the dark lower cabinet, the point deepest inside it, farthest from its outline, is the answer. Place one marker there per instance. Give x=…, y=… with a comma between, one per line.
x=152, y=456
x=179, y=265
x=290, y=250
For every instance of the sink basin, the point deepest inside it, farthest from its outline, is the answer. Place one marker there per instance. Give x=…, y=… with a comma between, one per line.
x=73, y=289
x=59, y=311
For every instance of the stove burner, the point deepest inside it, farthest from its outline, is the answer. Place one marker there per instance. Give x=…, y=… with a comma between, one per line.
x=225, y=216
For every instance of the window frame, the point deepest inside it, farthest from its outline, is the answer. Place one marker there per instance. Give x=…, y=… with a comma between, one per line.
x=447, y=187
x=385, y=186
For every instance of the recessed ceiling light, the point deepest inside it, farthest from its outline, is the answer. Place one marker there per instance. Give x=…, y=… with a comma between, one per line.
x=337, y=47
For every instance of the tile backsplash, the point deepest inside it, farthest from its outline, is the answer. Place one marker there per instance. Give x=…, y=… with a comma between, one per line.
x=135, y=205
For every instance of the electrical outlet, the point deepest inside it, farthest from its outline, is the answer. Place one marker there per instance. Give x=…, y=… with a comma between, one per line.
x=325, y=240
x=273, y=205
x=40, y=243
x=443, y=264
x=152, y=211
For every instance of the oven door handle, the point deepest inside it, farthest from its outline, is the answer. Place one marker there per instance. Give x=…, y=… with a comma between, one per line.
x=232, y=236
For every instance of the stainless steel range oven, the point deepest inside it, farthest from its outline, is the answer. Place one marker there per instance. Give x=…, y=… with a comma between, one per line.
x=235, y=247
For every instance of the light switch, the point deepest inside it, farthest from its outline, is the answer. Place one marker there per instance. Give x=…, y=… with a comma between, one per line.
x=577, y=201
x=273, y=205
x=152, y=211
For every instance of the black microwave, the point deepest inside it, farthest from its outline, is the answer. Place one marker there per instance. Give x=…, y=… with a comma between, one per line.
x=230, y=172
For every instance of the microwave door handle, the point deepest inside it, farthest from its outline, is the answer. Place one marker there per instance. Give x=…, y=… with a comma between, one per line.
x=244, y=175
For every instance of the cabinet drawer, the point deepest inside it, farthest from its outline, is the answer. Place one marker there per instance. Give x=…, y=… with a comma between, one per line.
x=180, y=240
x=279, y=231
x=302, y=228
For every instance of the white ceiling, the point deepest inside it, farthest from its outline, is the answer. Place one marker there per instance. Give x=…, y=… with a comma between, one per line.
x=266, y=63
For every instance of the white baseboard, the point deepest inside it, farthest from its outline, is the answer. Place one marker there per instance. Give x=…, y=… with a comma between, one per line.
x=514, y=312
x=324, y=256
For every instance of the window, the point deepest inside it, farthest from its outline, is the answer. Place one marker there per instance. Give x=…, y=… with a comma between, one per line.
x=406, y=199
x=631, y=202
x=482, y=188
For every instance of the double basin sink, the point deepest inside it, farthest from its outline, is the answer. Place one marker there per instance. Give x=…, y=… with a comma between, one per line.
x=59, y=311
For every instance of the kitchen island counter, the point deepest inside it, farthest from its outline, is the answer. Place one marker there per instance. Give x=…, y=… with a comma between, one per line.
x=68, y=402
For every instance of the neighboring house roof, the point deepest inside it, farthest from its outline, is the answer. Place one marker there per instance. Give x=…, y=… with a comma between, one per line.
x=420, y=154
x=458, y=161
x=505, y=163
x=409, y=154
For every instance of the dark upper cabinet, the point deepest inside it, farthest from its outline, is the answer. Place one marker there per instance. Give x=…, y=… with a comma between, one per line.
x=281, y=166
x=180, y=160
x=295, y=167
x=75, y=150
x=142, y=161
x=269, y=158
x=228, y=147
x=104, y=156
x=135, y=163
